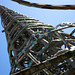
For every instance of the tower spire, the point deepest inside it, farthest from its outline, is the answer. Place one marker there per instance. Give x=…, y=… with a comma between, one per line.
x=31, y=42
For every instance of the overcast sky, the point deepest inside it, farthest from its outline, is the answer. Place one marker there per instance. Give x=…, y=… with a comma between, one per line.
x=52, y=17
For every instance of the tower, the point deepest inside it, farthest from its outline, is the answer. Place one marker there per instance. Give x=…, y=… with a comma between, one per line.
x=31, y=42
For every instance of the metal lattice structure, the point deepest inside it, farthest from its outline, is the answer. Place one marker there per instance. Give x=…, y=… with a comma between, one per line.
x=36, y=48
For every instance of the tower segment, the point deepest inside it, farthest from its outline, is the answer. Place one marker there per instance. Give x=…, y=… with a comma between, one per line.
x=32, y=43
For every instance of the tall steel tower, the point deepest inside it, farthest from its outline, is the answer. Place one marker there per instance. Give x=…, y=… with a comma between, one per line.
x=36, y=48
